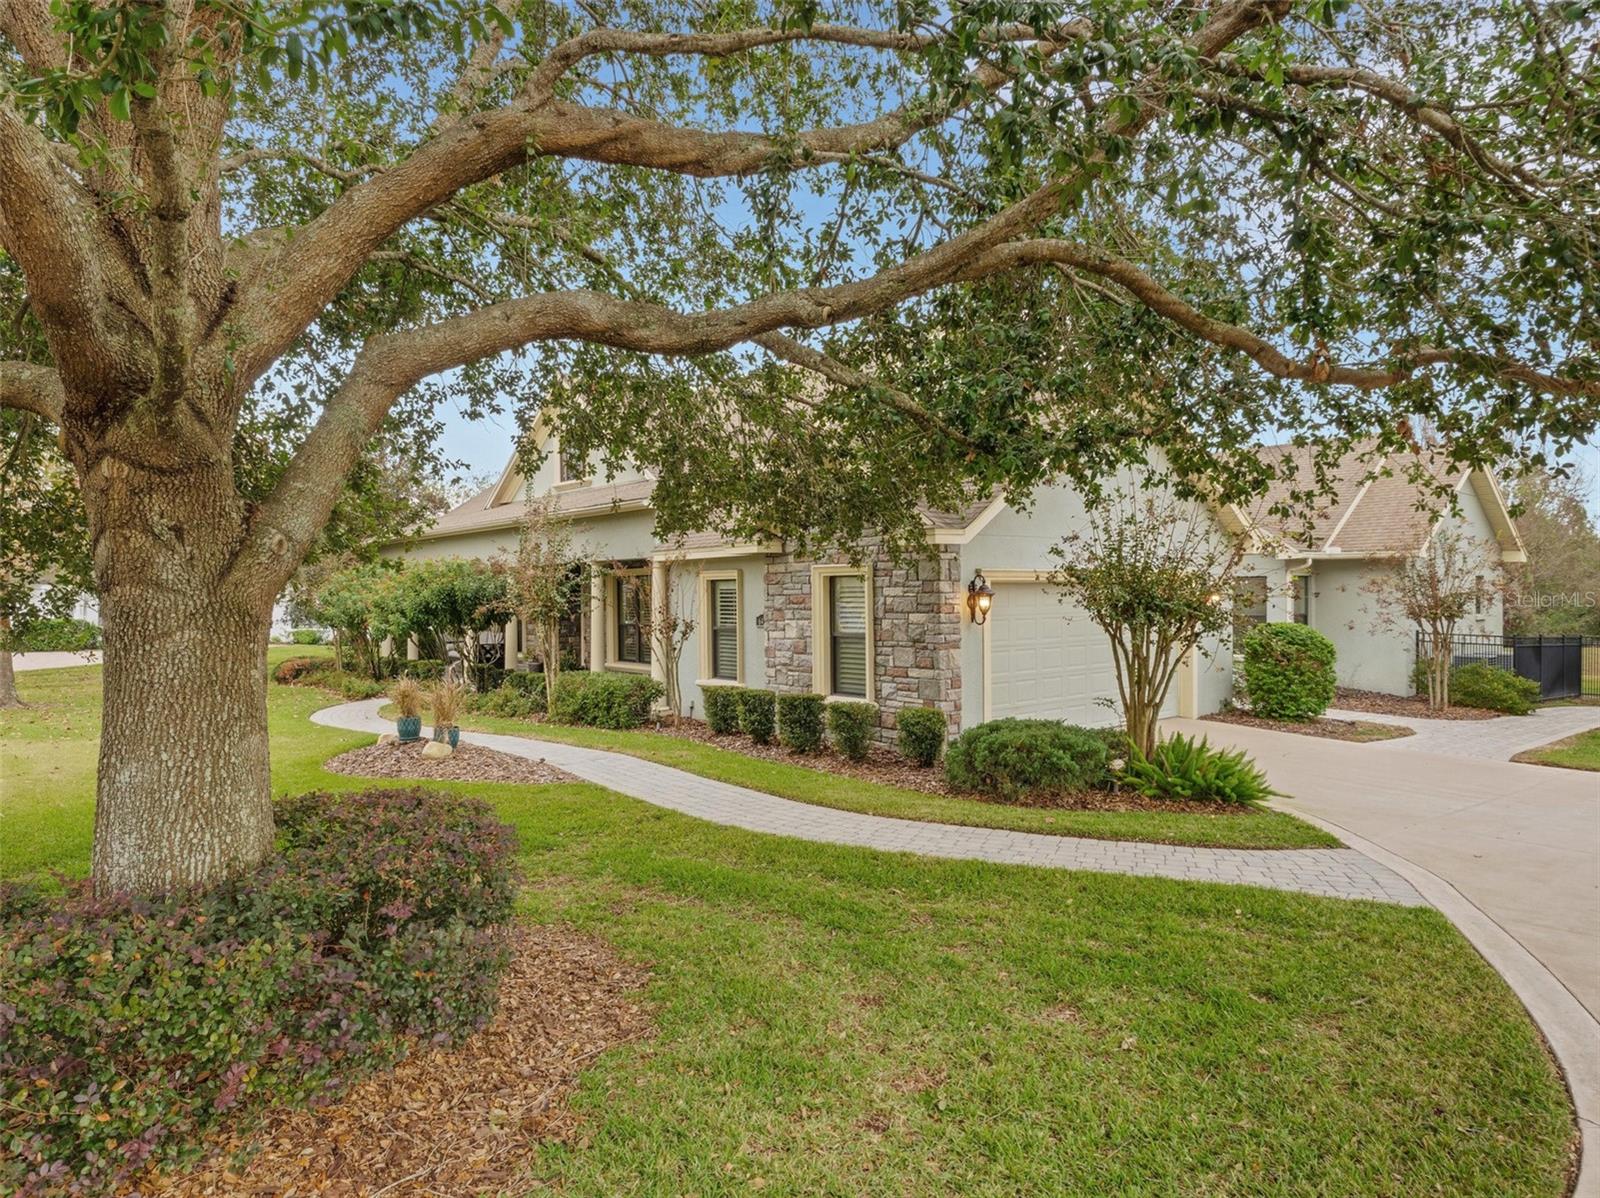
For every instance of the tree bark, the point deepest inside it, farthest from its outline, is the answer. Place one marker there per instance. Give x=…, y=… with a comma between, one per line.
x=8, y=678
x=184, y=795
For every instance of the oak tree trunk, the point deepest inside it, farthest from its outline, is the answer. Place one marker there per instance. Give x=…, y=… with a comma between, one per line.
x=8, y=677
x=184, y=796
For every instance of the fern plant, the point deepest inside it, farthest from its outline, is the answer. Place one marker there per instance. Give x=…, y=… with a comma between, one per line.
x=1183, y=767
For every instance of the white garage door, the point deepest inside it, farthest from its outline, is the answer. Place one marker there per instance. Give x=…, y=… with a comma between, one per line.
x=1048, y=659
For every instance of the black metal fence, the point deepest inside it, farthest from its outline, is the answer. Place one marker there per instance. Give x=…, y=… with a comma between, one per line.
x=1565, y=667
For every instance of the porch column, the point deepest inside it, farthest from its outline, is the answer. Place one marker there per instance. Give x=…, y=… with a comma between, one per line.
x=412, y=651
x=511, y=643
x=386, y=649
x=597, y=617
x=660, y=609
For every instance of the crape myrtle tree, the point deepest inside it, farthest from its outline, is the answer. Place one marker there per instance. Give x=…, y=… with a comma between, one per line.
x=1014, y=241
x=1156, y=574
x=1431, y=591
x=543, y=583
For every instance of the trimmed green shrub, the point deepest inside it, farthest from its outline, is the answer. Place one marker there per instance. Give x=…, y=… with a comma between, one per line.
x=1184, y=768
x=1479, y=684
x=922, y=731
x=133, y=1026
x=722, y=709
x=424, y=669
x=1288, y=671
x=508, y=701
x=604, y=700
x=305, y=636
x=800, y=722
x=1013, y=758
x=351, y=686
x=757, y=714
x=56, y=636
x=850, y=728
x=1119, y=746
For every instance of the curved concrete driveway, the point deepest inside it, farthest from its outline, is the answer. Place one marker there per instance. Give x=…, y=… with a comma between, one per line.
x=1498, y=739
x=1522, y=842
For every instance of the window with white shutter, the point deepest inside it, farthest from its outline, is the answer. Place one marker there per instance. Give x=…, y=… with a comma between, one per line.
x=725, y=629
x=847, y=628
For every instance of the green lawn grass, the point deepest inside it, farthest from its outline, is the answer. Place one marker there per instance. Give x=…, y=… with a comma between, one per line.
x=834, y=1021
x=1580, y=752
x=1259, y=828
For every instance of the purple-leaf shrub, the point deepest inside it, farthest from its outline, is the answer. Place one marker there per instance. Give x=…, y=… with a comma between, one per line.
x=130, y=1026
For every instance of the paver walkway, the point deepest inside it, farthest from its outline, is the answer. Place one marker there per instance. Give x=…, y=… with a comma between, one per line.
x=52, y=660
x=1339, y=873
x=1499, y=739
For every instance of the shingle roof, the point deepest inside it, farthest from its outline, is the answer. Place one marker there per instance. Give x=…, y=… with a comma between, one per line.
x=596, y=500
x=480, y=512
x=1374, y=507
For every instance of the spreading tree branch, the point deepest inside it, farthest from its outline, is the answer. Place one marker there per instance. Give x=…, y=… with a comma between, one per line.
x=25, y=387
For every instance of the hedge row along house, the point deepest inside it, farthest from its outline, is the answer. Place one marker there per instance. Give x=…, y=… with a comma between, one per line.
x=912, y=635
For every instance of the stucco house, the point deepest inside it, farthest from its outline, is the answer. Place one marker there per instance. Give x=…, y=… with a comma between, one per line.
x=895, y=634
x=1320, y=571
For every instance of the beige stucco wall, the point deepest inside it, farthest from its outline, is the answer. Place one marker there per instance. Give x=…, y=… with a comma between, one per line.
x=1376, y=650
x=1021, y=540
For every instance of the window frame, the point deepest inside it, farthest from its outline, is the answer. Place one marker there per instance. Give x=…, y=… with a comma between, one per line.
x=822, y=639
x=566, y=475
x=708, y=654
x=614, y=658
x=1300, y=598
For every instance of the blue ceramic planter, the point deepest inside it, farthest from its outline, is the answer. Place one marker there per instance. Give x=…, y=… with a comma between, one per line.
x=451, y=734
x=408, y=728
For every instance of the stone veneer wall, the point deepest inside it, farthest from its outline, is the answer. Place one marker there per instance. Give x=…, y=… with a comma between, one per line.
x=916, y=634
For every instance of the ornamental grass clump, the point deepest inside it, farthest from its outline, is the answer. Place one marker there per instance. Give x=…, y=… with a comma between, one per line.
x=406, y=695
x=131, y=1027
x=446, y=700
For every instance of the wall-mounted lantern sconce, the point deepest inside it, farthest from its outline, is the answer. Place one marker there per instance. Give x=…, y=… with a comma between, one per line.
x=980, y=597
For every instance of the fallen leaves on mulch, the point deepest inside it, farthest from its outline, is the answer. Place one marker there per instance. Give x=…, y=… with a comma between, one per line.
x=1415, y=706
x=469, y=763
x=1323, y=726
x=449, y=1122
x=882, y=764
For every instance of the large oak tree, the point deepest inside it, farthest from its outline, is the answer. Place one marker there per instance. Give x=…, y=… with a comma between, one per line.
x=1000, y=241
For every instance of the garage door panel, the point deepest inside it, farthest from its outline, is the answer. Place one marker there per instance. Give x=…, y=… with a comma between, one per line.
x=1048, y=660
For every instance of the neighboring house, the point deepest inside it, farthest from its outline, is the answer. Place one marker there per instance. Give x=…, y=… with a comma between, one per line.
x=1323, y=575
x=899, y=635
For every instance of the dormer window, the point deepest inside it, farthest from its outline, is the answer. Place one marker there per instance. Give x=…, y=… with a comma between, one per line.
x=569, y=467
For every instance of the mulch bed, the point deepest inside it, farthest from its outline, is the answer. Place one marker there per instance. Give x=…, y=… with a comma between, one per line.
x=1323, y=726
x=450, y=1122
x=1414, y=706
x=469, y=763
x=882, y=764
x=888, y=767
